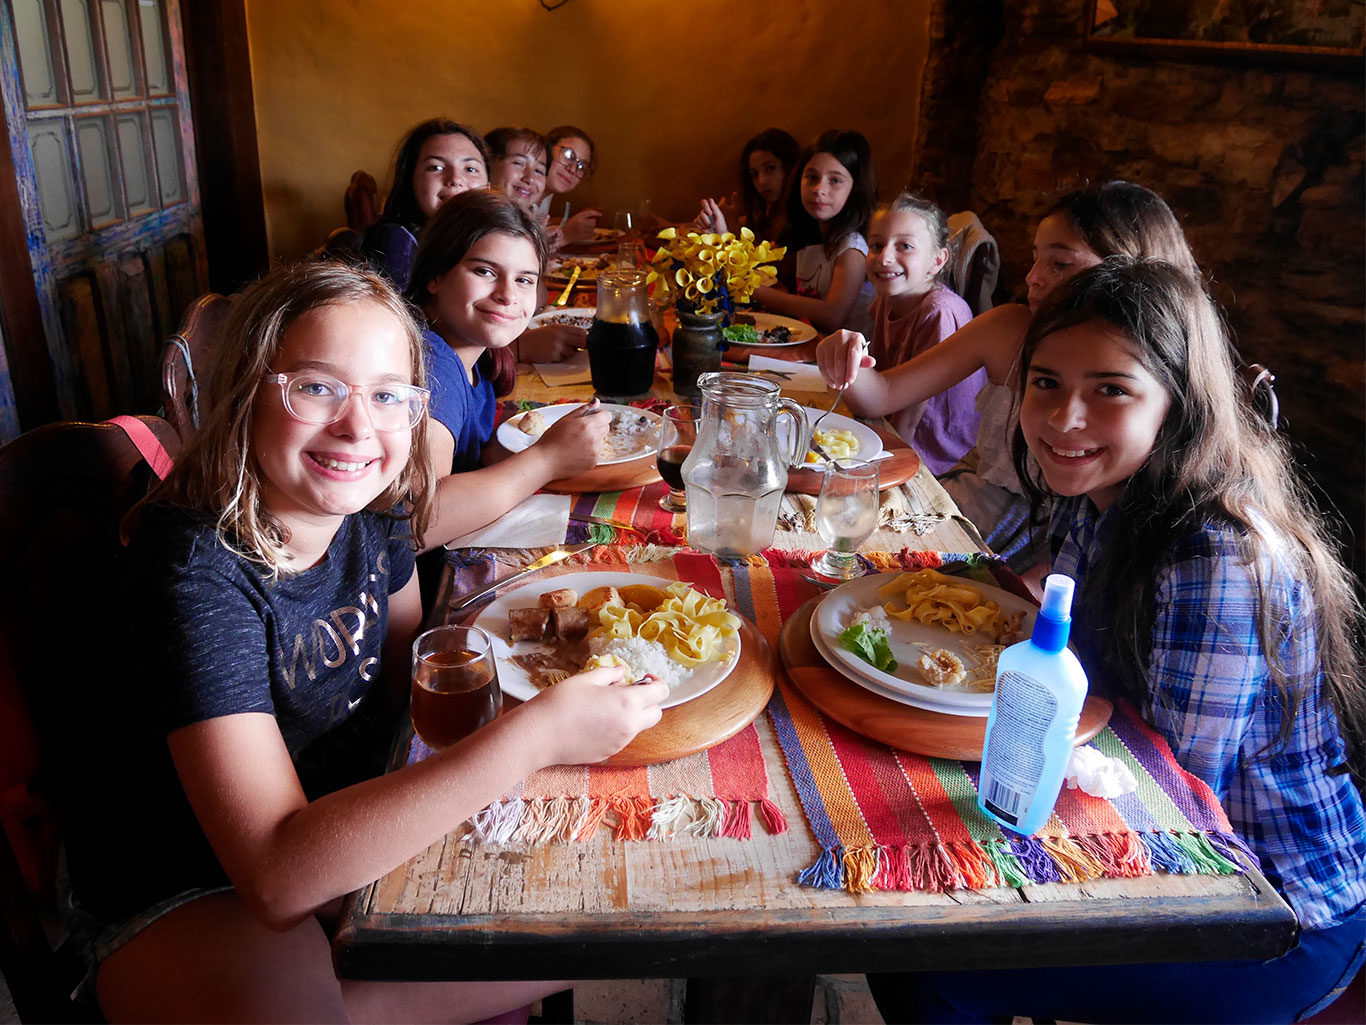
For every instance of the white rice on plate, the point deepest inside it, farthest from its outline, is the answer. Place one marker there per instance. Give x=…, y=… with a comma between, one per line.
x=644, y=657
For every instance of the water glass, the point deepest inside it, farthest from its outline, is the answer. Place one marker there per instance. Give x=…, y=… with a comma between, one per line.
x=455, y=684
x=677, y=435
x=846, y=515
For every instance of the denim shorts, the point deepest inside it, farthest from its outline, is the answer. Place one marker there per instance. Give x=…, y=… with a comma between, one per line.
x=91, y=940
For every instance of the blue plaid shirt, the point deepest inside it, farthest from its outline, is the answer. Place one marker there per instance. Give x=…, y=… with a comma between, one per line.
x=1208, y=683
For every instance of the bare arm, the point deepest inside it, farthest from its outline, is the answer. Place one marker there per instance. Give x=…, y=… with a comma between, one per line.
x=288, y=857
x=467, y=501
x=991, y=340
x=830, y=313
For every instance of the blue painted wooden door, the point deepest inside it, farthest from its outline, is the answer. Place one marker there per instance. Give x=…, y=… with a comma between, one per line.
x=97, y=106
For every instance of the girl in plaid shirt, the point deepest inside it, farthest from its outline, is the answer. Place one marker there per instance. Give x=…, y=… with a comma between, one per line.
x=1210, y=596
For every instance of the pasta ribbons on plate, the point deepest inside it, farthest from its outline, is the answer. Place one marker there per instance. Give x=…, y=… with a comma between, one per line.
x=840, y=444
x=688, y=624
x=935, y=599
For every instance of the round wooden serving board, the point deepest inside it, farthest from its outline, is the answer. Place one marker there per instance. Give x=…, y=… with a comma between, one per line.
x=633, y=473
x=898, y=469
x=917, y=730
x=715, y=716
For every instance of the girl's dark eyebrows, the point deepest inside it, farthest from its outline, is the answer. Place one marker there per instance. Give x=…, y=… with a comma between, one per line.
x=495, y=265
x=1111, y=373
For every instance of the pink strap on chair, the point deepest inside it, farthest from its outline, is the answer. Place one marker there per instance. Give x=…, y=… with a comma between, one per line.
x=146, y=442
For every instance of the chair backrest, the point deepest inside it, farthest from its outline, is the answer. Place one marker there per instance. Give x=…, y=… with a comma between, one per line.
x=974, y=261
x=341, y=244
x=64, y=489
x=361, y=202
x=187, y=354
x=1261, y=390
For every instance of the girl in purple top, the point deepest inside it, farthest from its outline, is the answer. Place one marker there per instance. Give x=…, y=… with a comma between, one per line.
x=908, y=247
x=436, y=160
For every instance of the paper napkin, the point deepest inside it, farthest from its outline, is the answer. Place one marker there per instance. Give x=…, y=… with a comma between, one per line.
x=540, y=521
x=574, y=370
x=805, y=376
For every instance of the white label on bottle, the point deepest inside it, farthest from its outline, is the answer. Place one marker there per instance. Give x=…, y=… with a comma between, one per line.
x=1014, y=758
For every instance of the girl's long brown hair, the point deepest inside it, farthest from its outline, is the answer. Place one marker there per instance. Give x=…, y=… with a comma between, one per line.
x=218, y=476
x=1215, y=460
x=458, y=225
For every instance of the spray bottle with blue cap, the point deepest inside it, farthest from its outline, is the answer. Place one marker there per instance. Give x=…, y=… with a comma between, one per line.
x=1040, y=688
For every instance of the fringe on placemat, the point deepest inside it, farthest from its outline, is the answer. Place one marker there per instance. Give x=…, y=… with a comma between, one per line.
x=567, y=819
x=1019, y=860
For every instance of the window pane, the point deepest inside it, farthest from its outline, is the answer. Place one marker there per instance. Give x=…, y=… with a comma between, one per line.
x=97, y=170
x=80, y=51
x=166, y=143
x=133, y=154
x=154, y=47
x=52, y=166
x=35, y=53
x=120, y=50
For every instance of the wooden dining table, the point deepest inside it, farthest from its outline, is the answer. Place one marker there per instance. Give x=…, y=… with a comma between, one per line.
x=730, y=915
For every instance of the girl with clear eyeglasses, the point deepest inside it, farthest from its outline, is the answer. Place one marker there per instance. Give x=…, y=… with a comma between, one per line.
x=233, y=791
x=572, y=162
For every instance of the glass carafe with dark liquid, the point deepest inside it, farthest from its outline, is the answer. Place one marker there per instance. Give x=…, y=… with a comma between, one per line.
x=736, y=472
x=622, y=340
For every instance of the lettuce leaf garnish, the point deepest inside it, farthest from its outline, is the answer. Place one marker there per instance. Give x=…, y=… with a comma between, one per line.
x=869, y=644
x=741, y=334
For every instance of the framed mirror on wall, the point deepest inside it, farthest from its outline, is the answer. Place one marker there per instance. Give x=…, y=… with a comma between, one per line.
x=1291, y=32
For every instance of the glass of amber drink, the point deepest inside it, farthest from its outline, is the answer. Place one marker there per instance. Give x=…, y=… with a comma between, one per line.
x=455, y=684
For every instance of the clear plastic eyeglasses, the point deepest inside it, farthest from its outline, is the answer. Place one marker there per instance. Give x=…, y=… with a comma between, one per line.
x=317, y=398
x=571, y=160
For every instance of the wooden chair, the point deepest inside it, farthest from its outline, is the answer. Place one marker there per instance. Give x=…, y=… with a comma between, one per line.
x=187, y=354
x=974, y=261
x=361, y=202
x=341, y=244
x=63, y=490
x=1260, y=385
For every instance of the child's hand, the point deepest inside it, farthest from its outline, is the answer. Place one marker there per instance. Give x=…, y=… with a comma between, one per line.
x=581, y=225
x=551, y=343
x=841, y=355
x=711, y=217
x=594, y=715
x=574, y=439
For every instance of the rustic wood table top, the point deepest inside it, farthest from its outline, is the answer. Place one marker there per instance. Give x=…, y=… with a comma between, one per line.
x=728, y=907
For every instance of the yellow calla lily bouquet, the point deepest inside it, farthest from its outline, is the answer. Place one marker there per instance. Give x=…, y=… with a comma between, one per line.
x=703, y=273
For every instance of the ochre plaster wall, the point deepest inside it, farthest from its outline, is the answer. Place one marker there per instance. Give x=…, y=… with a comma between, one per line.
x=669, y=90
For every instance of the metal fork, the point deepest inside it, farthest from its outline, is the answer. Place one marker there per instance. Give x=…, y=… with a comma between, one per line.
x=838, y=395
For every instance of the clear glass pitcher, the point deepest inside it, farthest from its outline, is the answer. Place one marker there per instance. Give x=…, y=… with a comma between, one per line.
x=737, y=469
x=622, y=339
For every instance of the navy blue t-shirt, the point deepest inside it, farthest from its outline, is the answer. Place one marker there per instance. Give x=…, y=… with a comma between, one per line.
x=464, y=410
x=205, y=633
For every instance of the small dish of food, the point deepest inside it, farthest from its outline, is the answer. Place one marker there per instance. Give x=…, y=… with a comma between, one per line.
x=928, y=638
x=633, y=433
x=767, y=330
x=660, y=629
x=559, y=268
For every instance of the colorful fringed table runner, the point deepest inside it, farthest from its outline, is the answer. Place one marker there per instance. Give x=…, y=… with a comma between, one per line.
x=717, y=792
x=890, y=820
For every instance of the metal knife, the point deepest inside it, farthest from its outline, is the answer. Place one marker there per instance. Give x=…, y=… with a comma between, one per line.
x=602, y=521
x=549, y=559
x=563, y=298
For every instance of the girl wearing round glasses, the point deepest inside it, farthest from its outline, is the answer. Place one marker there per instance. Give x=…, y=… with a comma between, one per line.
x=572, y=161
x=231, y=792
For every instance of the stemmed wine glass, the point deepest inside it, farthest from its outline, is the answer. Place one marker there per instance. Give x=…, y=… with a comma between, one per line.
x=677, y=435
x=846, y=515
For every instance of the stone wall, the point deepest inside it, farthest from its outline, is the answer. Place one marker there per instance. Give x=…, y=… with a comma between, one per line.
x=1263, y=164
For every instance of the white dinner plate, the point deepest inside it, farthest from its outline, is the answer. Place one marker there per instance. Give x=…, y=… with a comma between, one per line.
x=858, y=679
x=559, y=268
x=576, y=316
x=514, y=679
x=869, y=444
x=909, y=640
x=801, y=332
x=514, y=439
